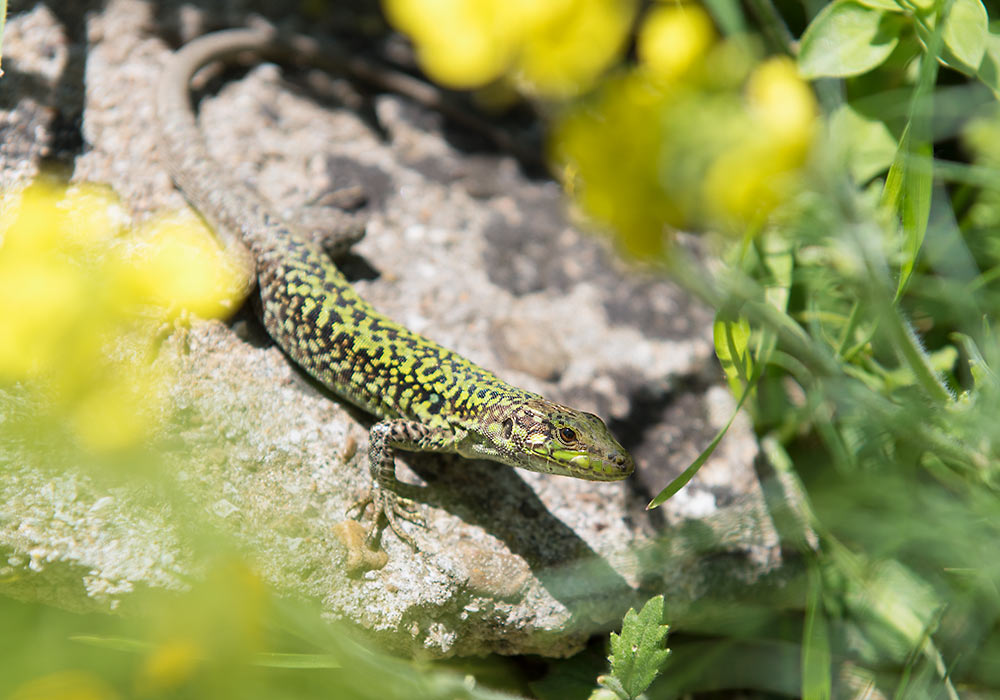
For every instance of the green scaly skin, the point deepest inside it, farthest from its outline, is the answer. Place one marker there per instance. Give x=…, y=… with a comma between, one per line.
x=429, y=398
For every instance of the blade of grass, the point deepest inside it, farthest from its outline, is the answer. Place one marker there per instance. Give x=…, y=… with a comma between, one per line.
x=678, y=483
x=815, y=641
x=908, y=185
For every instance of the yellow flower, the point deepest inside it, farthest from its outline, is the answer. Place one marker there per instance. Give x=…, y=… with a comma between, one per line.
x=42, y=302
x=552, y=48
x=749, y=181
x=610, y=147
x=673, y=38
x=81, y=301
x=461, y=43
x=176, y=264
x=717, y=145
x=782, y=103
x=565, y=52
x=117, y=412
x=169, y=666
x=93, y=216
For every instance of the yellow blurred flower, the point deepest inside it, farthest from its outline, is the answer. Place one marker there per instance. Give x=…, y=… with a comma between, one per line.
x=563, y=52
x=82, y=299
x=92, y=216
x=748, y=182
x=175, y=264
x=706, y=138
x=673, y=37
x=41, y=303
x=461, y=43
x=118, y=411
x=783, y=104
x=215, y=626
x=169, y=666
x=551, y=48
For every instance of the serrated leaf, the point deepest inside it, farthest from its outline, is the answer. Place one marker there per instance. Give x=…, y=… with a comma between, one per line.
x=868, y=145
x=966, y=30
x=847, y=38
x=637, y=654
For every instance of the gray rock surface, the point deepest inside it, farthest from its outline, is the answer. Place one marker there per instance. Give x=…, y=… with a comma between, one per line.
x=461, y=247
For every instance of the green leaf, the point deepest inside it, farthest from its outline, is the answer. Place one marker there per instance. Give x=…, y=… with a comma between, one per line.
x=265, y=659
x=888, y=5
x=982, y=374
x=867, y=145
x=686, y=476
x=732, y=339
x=966, y=30
x=637, y=654
x=301, y=661
x=989, y=67
x=847, y=38
x=815, y=642
x=776, y=254
x=113, y=643
x=908, y=191
x=612, y=684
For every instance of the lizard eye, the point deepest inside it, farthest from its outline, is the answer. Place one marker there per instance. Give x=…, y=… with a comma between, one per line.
x=567, y=435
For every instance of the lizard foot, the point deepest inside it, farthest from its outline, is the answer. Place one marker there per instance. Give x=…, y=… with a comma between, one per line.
x=393, y=508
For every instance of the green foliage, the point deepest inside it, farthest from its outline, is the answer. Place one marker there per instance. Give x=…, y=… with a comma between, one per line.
x=867, y=145
x=966, y=28
x=851, y=37
x=637, y=654
x=848, y=38
x=185, y=653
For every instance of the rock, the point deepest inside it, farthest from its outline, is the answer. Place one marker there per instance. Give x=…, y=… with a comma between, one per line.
x=510, y=562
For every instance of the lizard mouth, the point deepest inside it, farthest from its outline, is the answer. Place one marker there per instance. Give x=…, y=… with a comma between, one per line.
x=584, y=465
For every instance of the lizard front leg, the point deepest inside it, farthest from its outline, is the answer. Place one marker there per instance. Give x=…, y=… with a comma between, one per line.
x=384, y=439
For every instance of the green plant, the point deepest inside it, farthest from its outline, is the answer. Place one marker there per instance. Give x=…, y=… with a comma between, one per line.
x=637, y=654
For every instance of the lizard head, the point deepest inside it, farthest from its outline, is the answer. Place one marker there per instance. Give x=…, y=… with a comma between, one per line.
x=543, y=436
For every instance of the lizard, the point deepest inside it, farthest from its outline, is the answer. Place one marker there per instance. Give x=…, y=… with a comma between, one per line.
x=425, y=397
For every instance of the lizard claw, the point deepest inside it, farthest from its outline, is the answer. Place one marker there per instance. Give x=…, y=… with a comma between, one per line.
x=394, y=509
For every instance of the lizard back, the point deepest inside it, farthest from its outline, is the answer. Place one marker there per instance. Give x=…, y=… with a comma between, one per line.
x=317, y=317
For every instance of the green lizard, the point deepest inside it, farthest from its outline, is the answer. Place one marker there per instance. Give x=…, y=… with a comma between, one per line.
x=427, y=397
